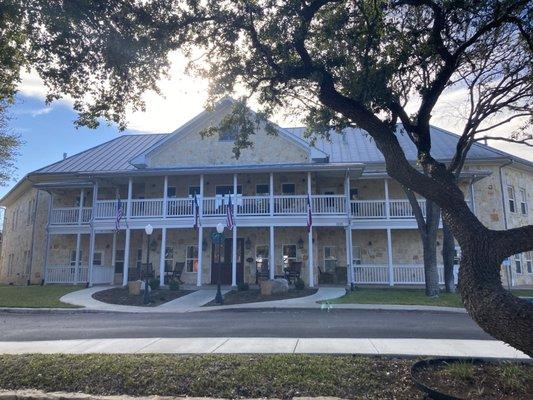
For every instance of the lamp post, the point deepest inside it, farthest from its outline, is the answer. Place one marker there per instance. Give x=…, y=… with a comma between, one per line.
x=218, y=238
x=148, y=229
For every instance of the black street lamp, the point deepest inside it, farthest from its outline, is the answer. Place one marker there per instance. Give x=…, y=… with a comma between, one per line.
x=149, y=230
x=218, y=238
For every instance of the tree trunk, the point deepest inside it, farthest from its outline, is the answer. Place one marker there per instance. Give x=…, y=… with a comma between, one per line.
x=448, y=251
x=431, y=272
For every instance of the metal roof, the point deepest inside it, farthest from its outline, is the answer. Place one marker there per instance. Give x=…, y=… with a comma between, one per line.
x=352, y=146
x=355, y=145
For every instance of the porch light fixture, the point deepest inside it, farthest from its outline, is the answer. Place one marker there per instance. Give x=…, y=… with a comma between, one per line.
x=300, y=243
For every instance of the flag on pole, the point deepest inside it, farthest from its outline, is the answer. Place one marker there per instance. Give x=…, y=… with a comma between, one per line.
x=196, y=212
x=119, y=214
x=230, y=222
x=309, y=214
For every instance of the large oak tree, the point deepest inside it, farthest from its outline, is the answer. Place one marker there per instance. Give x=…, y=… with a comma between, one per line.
x=339, y=63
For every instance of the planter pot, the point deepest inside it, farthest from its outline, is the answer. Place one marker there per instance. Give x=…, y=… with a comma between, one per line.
x=134, y=288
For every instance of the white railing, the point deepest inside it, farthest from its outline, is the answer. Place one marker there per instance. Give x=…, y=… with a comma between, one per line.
x=368, y=209
x=146, y=208
x=69, y=215
x=290, y=205
x=67, y=274
x=328, y=204
x=403, y=274
x=244, y=206
x=253, y=205
x=403, y=208
x=108, y=209
x=183, y=207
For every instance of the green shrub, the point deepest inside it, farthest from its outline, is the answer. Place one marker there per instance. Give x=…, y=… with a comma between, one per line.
x=174, y=284
x=299, y=284
x=154, y=283
x=243, y=287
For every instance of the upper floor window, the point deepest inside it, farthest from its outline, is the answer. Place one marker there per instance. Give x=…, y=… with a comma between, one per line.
x=523, y=201
x=171, y=192
x=228, y=135
x=288, y=188
x=354, y=193
x=194, y=190
x=529, y=262
x=518, y=263
x=262, y=189
x=227, y=189
x=512, y=200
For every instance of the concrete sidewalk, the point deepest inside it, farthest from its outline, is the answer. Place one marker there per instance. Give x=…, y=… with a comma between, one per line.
x=195, y=301
x=264, y=345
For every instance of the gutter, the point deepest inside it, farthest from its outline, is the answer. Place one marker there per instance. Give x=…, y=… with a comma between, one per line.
x=510, y=278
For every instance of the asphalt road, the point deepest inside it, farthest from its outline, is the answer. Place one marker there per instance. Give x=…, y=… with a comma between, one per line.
x=241, y=323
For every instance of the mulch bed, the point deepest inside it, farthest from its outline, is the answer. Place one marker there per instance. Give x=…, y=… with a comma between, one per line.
x=122, y=297
x=254, y=295
x=465, y=380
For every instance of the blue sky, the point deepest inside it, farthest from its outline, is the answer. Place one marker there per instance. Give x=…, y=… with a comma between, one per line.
x=48, y=132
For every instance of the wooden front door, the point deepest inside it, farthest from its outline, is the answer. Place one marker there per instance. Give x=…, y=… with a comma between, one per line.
x=225, y=262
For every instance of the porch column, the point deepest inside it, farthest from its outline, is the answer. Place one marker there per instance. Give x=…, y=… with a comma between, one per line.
x=162, y=255
x=349, y=255
x=272, y=254
x=165, y=196
x=92, y=237
x=50, y=205
x=126, y=258
x=352, y=271
x=200, y=233
x=310, y=240
x=271, y=193
x=234, y=235
x=387, y=203
x=77, y=261
x=389, y=257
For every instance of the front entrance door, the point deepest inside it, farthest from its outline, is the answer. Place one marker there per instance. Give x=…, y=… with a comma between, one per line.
x=225, y=262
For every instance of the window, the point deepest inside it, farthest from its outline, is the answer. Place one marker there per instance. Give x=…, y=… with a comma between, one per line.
x=356, y=255
x=27, y=262
x=169, y=258
x=529, y=262
x=119, y=261
x=518, y=263
x=510, y=194
x=523, y=201
x=330, y=258
x=97, y=258
x=354, y=194
x=194, y=190
x=289, y=253
x=288, y=188
x=261, y=255
x=227, y=189
x=171, y=192
x=228, y=135
x=11, y=264
x=456, y=255
x=73, y=258
x=191, y=258
x=262, y=189
x=139, y=259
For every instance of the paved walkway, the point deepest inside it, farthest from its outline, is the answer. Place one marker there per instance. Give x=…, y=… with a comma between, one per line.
x=403, y=347
x=193, y=303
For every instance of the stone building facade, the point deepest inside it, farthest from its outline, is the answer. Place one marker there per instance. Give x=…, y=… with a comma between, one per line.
x=61, y=226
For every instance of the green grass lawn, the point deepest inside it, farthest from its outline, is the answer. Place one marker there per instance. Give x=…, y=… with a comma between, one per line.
x=35, y=296
x=367, y=295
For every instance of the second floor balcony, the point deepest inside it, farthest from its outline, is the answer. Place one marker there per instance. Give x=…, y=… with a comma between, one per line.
x=244, y=206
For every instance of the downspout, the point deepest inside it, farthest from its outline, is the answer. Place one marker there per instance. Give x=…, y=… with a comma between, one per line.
x=509, y=269
x=33, y=235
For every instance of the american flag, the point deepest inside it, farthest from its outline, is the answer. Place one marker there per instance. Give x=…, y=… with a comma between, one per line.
x=309, y=214
x=230, y=222
x=120, y=214
x=196, y=212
